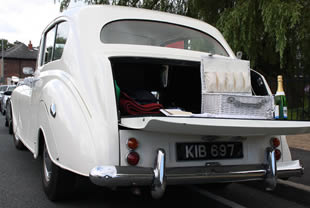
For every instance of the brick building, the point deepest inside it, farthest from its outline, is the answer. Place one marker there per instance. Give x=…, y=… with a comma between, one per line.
x=16, y=58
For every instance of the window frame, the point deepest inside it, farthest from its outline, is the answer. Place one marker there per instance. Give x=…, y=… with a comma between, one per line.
x=54, y=27
x=56, y=32
x=43, y=47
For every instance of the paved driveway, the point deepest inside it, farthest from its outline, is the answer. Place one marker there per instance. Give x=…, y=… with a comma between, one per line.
x=301, y=141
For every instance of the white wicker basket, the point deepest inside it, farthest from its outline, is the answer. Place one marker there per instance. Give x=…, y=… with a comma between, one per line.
x=221, y=105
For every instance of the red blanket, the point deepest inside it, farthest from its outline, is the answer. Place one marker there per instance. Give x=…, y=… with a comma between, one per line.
x=129, y=106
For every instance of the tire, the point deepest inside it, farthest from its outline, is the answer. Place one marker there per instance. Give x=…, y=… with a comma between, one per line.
x=57, y=182
x=18, y=144
x=9, y=118
x=2, y=110
x=10, y=127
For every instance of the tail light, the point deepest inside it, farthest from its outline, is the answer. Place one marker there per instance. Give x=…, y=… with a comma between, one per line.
x=278, y=154
x=132, y=143
x=275, y=142
x=133, y=158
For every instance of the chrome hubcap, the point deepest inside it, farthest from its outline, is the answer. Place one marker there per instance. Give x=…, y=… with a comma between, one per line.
x=47, y=165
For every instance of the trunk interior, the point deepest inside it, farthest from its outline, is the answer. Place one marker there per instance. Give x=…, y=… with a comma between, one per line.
x=175, y=83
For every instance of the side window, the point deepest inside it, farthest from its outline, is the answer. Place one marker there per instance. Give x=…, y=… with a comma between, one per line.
x=49, y=45
x=54, y=42
x=61, y=39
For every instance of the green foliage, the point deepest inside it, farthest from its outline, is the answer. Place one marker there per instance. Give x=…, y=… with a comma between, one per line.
x=172, y=6
x=273, y=34
x=286, y=15
x=6, y=45
x=250, y=23
x=239, y=26
x=64, y=4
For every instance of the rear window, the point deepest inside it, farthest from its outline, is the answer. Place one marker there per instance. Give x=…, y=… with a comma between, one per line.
x=161, y=34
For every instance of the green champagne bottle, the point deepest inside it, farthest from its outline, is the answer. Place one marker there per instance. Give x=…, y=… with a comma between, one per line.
x=280, y=101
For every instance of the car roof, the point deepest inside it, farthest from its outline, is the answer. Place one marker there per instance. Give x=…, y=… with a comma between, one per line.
x=105, y=14
x=80, y=17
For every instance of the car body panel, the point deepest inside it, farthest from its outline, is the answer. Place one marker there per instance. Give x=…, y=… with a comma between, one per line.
x=72, y=101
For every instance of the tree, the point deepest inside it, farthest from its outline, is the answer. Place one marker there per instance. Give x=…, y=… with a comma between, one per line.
x=6, y=45
x=172, y=6
x=274, y=34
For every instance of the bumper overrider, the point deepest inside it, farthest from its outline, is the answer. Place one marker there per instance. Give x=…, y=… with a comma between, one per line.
x=159, y=176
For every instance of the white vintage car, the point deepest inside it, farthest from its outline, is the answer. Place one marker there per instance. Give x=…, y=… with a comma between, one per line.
x=89, y=109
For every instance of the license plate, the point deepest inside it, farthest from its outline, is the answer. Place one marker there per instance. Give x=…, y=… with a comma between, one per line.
x=209, y=150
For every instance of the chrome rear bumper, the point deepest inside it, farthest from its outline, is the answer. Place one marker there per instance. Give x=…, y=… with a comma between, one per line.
x=114, y=176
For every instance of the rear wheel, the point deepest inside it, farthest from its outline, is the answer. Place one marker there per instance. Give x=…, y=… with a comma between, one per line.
x=18, y=144
x=10, y=127
x=6, y=122
x=57, y=182
x=9, y=118
x=2, y=110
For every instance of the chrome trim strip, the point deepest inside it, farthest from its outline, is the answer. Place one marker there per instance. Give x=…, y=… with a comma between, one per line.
x=214, y=174
x=113, y=176
x=159, y=182
x=160, y=176
x=271, y=176
x=128, y=176
x=290, y=168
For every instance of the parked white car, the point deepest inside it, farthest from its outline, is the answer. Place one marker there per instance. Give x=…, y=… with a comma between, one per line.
x=4, y=88
x=74, y=113
x=6, y=95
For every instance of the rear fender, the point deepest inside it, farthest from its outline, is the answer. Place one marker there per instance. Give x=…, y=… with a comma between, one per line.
x=67, y=133
x=46, y=132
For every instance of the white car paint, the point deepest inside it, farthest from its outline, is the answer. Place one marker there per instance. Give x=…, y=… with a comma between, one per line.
x=85, y=131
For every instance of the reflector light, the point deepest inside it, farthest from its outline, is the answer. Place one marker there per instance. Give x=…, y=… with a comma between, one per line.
x=278, y=154
x=133, y=158
x=132, y=143
x=275, y=142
